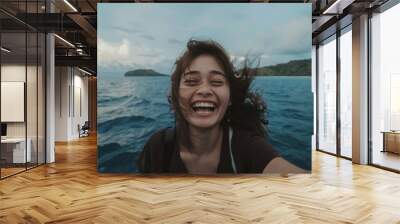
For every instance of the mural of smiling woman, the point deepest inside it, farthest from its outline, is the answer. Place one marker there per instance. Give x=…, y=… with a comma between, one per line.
x=219, y=122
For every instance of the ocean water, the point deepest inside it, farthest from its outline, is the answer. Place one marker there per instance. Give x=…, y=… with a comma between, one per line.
x=131, y=109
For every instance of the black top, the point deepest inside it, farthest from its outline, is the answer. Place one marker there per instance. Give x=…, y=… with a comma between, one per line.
x=251, y=153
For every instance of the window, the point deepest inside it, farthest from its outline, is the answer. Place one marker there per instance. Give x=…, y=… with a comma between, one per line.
x=346, y=92
x=385, y=88
x=22, y=78
x=327, y=95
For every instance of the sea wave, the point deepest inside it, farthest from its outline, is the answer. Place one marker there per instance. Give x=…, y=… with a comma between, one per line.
x=129, y=113
x=125, y=122
x=109, y=99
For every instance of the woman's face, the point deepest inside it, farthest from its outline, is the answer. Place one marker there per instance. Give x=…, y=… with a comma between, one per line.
x=204, y=93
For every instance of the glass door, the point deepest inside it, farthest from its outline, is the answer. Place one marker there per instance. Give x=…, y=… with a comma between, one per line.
x=22, y=77
x=346, y=92
x=385, y=89
x=327, y=95
x=14, y=154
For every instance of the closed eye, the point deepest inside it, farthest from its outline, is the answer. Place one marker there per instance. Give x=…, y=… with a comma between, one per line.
x=190, y=82
x=217, y=83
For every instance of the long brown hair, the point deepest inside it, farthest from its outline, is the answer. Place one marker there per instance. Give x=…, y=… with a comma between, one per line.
x=247, y=109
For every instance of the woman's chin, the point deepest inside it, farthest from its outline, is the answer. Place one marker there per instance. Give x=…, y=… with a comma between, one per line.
x=203, y=123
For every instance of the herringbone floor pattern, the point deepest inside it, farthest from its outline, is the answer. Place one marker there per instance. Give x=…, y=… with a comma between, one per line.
x=71, y=191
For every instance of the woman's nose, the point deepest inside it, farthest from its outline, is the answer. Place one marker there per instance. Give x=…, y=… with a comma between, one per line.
x=204, y=90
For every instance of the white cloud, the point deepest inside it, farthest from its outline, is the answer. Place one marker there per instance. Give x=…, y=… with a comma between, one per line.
x=127, y=53
x=236, y=58
x=291, y=38
x=154, y=36
x=110, y=53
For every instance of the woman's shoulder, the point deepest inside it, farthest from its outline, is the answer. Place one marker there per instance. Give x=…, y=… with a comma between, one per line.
x=157, y=136
x=247, y=137
x=253, y=150
x=249, y=141
x=155, y=151
x=161, y=137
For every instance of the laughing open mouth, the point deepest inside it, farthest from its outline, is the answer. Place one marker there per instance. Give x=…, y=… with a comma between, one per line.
x=203, y=107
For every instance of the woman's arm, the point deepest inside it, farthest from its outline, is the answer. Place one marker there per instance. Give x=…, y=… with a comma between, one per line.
x=279, y=165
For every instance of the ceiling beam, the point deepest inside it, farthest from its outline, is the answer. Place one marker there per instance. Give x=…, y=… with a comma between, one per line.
x=86, y=26
x=337, y=6
x=82, y=61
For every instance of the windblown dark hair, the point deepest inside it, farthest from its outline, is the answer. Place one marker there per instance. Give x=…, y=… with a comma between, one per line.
x=247, y=109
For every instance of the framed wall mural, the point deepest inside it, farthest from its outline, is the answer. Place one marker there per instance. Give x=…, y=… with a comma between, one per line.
x=204, y=88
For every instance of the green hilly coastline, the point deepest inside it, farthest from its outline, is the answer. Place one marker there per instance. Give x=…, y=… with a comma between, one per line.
x=291, y=68
x=143, y=72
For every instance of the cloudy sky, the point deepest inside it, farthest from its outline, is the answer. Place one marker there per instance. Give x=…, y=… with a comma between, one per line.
x=135, y=36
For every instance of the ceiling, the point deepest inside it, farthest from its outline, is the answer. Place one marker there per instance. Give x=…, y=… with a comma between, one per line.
x=76, y=22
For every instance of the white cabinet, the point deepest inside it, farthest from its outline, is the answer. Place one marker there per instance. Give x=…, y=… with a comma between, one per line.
x=19, y=154
x=12, y=101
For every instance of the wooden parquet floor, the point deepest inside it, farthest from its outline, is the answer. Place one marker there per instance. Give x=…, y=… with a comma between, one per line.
x=71, y=191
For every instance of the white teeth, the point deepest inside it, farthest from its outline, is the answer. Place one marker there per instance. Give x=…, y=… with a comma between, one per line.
x=203, y=104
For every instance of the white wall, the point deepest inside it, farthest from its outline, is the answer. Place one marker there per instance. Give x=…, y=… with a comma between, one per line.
x=81, y=82
x=9, y=73
x=62, y=81
x=12, y=101
x=17, y=73
x=14, y=73
x=70, y=83
x=33, y=126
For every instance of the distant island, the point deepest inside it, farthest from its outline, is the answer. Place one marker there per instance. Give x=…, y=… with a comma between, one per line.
x=143, y=72
x=291, y=68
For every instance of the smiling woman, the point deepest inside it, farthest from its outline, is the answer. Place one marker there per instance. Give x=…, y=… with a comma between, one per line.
x=204, y=92
x=220, y=123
